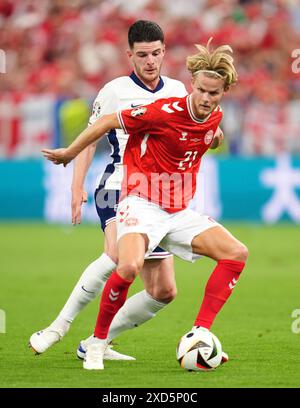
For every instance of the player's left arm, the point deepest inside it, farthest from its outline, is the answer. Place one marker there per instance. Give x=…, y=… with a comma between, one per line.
x=90, y=135
x=218, y=139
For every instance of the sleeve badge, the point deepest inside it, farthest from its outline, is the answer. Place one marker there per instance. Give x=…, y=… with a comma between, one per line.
x=138, y=112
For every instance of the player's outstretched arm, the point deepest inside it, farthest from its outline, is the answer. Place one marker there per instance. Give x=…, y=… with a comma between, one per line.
x=218, y=139
x=87, y=137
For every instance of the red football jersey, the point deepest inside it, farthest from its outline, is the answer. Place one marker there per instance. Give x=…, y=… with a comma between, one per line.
x=164, y=150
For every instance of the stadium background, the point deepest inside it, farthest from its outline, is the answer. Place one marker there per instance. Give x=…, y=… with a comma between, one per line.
x=55, y=56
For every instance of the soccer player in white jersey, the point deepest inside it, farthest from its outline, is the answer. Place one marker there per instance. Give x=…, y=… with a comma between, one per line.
x=143, y=86
x=167, y=141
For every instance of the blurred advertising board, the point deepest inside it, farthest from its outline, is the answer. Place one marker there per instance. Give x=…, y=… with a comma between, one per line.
x=234, y=189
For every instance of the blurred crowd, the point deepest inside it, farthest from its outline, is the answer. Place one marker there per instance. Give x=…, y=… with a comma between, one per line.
x=70, y=48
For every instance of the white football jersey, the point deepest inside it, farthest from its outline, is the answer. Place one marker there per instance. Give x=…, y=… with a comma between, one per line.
x=124, y=93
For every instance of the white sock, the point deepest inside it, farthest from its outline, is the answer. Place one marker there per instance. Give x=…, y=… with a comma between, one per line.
x=60, y=325
x=87, y=288
x=136, y=310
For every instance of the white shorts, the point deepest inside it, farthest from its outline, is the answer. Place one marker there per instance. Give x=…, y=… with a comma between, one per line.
x=173, y=232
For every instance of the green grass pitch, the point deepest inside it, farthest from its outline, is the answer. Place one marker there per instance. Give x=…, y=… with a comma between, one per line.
x=40, y=264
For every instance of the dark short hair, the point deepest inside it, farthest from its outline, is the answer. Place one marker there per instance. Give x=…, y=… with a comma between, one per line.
x=144, y=31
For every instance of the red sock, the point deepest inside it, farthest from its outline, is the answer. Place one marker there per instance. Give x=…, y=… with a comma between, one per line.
x=217, y=290
x=113, y=298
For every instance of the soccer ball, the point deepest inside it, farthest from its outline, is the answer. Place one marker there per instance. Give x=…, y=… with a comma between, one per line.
x=199, y=350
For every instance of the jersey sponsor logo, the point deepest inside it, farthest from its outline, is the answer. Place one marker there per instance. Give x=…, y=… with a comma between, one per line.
x=133, y=105
x=171, y=107
x=183, y=136
x=113, y=296
x=138, y=112
x=208, y=137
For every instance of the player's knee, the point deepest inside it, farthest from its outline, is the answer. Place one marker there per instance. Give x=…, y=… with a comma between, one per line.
x=164, y=295
x=239, y=252
x=129, y=270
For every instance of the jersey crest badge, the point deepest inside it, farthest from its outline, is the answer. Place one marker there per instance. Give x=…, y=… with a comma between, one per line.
x=208, y=137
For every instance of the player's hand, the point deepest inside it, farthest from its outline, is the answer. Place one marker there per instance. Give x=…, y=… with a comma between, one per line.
x=57, y=156
x=79, y=196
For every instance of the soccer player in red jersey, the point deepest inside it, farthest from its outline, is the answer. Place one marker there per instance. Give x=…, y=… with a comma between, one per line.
x=163, y=155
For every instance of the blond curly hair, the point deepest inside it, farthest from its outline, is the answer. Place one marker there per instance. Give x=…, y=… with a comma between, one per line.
x=217, y=63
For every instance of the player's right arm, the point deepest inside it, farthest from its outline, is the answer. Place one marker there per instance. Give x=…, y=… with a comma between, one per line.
x=106, y=102
x=89, y=136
